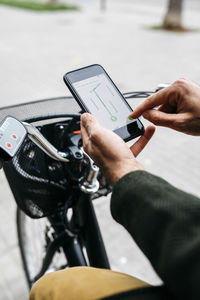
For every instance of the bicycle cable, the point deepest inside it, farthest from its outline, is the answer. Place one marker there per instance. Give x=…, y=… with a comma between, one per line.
x=51, y=116
x=138, y=94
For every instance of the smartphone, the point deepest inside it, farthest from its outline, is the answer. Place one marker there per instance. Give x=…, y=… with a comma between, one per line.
x=97, y=94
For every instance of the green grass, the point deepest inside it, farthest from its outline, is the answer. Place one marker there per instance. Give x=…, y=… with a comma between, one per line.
x=37, y=6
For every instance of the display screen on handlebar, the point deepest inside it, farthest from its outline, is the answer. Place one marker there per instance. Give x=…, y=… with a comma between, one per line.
x=12, y=135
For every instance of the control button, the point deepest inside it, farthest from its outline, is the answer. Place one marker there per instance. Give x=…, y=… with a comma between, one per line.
x=8, y=145
x=14, y=136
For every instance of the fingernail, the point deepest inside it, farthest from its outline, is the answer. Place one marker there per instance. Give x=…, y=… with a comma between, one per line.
x=84, y=117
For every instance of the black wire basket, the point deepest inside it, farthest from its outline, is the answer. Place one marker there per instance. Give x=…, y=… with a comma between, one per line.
x=38, y=183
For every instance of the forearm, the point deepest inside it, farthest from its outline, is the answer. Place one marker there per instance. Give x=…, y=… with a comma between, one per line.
x=165, y=223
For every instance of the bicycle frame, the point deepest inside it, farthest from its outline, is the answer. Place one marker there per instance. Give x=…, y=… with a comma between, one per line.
x=89, y=236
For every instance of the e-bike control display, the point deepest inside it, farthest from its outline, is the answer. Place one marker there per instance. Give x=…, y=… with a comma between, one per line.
x=12, y=134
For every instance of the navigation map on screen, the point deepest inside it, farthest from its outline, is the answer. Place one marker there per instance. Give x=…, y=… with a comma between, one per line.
x=103, y=101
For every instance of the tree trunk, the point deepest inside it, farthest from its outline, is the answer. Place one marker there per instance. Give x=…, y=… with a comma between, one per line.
x=103, y=5
x=173, y=17
x=52, y=2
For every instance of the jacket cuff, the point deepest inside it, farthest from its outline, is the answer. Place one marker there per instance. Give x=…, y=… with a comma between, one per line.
x=124, y=190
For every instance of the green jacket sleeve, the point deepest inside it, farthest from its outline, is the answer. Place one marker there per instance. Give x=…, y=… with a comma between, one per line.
x=165, y=223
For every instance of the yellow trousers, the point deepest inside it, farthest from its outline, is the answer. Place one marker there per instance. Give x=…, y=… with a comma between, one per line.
x=83, y=283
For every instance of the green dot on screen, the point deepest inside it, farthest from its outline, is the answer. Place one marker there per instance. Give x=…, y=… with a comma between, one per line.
x=130, y=118
x=113, y=118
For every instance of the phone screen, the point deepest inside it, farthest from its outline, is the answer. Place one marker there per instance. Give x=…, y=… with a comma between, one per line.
x=104, y=101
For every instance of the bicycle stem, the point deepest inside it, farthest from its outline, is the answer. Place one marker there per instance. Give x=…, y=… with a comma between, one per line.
x=91, y=184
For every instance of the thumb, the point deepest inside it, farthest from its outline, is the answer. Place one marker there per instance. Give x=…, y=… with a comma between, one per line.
x=161, y=118
x=88, y=123
x=137, y=147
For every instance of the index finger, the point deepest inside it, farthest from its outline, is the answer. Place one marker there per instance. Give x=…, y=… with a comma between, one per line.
x=152, y=101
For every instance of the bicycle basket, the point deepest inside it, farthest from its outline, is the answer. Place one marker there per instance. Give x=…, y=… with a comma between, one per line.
x=38, y=182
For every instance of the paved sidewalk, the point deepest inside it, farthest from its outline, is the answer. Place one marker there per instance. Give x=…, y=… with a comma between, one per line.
x=36, y=49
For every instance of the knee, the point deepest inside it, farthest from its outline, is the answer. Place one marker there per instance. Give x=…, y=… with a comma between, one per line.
x=43, y=288
x=58, y=285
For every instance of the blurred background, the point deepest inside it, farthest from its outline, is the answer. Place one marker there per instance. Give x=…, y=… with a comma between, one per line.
x=140, y=44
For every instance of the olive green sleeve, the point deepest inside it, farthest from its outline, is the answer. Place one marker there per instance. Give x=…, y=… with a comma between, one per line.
x=165, y=223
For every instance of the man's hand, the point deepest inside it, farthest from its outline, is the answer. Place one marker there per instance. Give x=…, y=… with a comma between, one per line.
x=178, y=107
x=109, y=151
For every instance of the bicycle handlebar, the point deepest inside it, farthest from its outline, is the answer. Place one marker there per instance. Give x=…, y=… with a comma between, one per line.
x=14, y=132
x=90, y=185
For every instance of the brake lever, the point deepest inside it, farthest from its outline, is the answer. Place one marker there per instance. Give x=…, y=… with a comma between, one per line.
x=38, y=139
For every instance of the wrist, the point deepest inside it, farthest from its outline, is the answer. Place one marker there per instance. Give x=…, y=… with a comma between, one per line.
x=120, y=170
